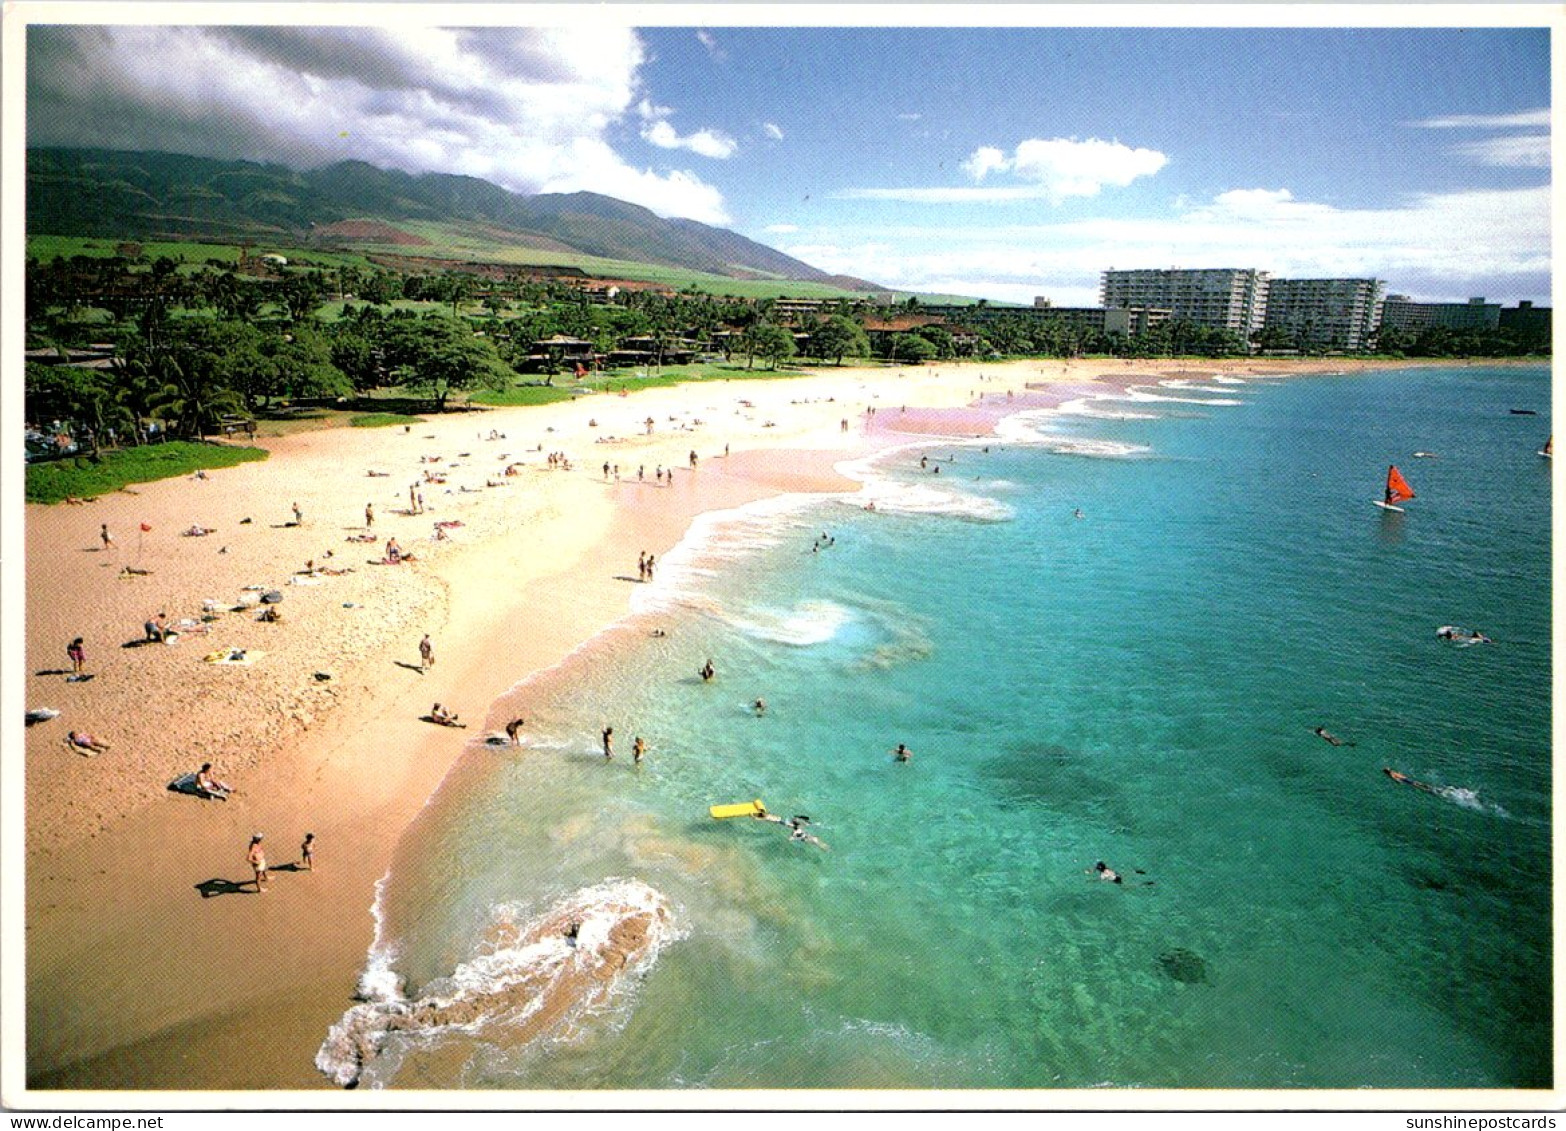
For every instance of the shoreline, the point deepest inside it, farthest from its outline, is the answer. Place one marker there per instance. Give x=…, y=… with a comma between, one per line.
x=255, y=989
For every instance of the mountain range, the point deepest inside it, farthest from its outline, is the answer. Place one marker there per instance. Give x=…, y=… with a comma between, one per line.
x=168, y=196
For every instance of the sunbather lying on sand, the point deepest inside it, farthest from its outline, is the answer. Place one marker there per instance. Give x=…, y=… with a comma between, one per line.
x=80, y=740
x=440, y=715
x=199, y=531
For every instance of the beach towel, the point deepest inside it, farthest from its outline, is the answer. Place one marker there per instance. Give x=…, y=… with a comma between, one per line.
x=41, y=715
x=237, y=656
x=271, y=597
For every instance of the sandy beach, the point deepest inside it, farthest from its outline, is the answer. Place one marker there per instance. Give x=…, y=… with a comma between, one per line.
x=151, y=961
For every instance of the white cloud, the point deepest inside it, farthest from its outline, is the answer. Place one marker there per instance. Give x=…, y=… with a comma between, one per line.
x=1050, y=169
x=1519, y=151
x=527, y=108
x=1525, y=118
x=781, y=229
x=710, y=42
x=772, y=131
x=909, y=117
x=1436, y=246
x=707, y=143
x=984, y=160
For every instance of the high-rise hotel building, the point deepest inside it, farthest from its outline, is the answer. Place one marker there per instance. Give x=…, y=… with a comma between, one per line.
x=1337, y=314
x=1221, y=298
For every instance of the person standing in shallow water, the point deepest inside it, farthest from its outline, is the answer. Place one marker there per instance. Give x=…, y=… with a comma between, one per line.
x=638, y=749
x=608, y=743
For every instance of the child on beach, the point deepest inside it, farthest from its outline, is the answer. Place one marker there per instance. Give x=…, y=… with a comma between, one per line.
x=108, y=539
x=307, y=853
x=256, y=856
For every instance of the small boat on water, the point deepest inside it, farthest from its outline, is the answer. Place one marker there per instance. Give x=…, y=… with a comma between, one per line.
x=1524, y=412
x=1397, y=491
x=1548, y=451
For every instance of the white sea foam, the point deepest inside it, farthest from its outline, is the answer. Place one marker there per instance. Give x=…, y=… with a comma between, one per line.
x=896, y=497
x=1139, y=394
x=809, y=622
x=714, y=539
x=1095, y=408
x=1220, y=379
x=1096, y=449
x=525, y=963
x=1470, y=799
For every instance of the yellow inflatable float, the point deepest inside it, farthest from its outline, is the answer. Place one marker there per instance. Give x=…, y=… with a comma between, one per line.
x=740, y=809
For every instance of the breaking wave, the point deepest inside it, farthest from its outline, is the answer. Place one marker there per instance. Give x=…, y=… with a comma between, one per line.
x=530, y=976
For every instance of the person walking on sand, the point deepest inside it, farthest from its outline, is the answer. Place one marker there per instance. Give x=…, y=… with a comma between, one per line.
x=608, y=743
x=77, y=655
x=108, y=539
x=257, y=858
x=369, y=515
x=307, y=853
x=641, y=566
x=638, y=749
x=426, y=653
x=298, y=515
x=651, y=560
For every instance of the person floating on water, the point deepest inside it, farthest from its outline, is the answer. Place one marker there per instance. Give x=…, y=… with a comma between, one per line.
x=1327, y=736
x=795, y=825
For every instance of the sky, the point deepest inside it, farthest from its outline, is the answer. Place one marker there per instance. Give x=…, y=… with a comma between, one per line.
x=1003, y=163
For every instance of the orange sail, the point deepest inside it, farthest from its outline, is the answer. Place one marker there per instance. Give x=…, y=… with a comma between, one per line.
x=1398, y=490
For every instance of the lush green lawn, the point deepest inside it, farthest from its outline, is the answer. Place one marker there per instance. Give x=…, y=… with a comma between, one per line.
x=382, y=419
x=84, y=477
x=522, y=395
x=629, y=380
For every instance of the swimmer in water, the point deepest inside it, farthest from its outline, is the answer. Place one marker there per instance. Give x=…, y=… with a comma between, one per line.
x=760, y=707
x=1406, y=780
x=1327, y=736
x=1106, y=873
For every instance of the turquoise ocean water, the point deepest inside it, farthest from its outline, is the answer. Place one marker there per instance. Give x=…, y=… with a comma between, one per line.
x=1138, y=685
